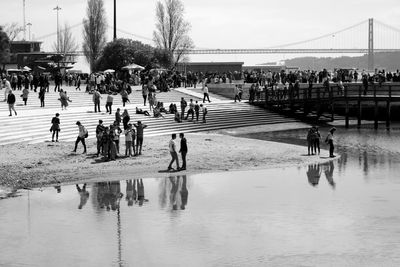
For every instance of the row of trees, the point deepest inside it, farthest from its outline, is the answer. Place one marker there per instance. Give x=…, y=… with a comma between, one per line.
x=170, y=37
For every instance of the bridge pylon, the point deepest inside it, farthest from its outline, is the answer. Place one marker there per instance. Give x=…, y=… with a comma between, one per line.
x=371, y=44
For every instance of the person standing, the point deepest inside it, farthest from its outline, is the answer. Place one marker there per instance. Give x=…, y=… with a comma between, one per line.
x=96, y=100
x=99, y=136
x=83, y=133
x=329, y=141
x=109, y=103
x=25, y=94
x=11, y=102
x=124, y=95
x=183, y=150
x=116, y=134
x=118, y=116
x=145, y=92
x=78, y=82
x=128, y=140
x=7, y=86
x=317, y=138
x=191, y=110
x=310, y=141
x=197, y=110
x=55, y=127
x=174, y=154
x=139, y=136
x=183, y=107
x=205, y=111
x=42, y=92
x=125, y=119
x=205, y=91
x=236, y=91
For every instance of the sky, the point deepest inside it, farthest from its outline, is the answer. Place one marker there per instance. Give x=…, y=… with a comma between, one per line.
x=215, y=23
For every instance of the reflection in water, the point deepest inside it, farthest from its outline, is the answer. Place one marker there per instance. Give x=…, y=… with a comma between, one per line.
x=314, y=172
x=140, y=193
x=109, y=195
x=175, y=189
x=84, y=195
x=131, y=194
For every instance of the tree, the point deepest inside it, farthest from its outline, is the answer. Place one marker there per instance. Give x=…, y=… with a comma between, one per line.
x=66, y=42
x=12, y=30
x=4, y=47
x=172, y=30
x=94, y=31
x=122, y=52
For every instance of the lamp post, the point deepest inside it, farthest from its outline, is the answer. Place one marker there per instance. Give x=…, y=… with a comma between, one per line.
x=115, y=19
x=58, y=29
x=29, y=30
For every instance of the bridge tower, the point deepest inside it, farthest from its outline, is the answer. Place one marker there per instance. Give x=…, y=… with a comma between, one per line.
x=371, y=44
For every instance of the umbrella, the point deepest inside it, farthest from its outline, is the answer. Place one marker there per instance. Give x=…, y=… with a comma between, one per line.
x=109, y=71
x=133, y=66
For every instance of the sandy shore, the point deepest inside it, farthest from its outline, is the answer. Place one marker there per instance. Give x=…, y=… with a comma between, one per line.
x=26, y=166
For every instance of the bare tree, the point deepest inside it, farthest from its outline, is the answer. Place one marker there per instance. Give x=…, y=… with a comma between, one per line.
x=66, y=42
x=172, y=30
x=12, y=30
x=94, y=31
x=4, y=47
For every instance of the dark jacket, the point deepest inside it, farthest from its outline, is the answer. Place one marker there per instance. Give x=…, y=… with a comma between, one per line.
x=184, y=147
x=11, y=99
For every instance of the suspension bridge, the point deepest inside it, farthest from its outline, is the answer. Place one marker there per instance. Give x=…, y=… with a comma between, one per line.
x=366, y=37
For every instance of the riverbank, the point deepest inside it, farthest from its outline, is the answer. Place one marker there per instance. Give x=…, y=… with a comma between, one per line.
x=26, y=166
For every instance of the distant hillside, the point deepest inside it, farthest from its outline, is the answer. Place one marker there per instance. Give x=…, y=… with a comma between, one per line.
x=386, y=61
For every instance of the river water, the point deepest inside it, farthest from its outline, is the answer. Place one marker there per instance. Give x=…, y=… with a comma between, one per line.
x=342, y=213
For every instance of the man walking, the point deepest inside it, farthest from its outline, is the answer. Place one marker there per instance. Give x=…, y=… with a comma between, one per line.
x=11, y=102
x=191, y=110
x=139, y=137
x=205, y=91
x=174, y=154
x=83, y=133
x=109, y=103
x=183, y=150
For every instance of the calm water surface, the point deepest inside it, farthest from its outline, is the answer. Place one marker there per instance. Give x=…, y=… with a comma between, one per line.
x=343, y=213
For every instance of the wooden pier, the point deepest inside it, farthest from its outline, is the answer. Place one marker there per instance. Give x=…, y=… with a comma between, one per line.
x=320, y=99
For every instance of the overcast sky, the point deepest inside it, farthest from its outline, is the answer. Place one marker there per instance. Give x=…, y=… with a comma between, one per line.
x=215, y=23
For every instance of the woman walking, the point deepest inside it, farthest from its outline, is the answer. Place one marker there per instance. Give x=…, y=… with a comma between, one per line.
x=55, y=127
x=25, y=94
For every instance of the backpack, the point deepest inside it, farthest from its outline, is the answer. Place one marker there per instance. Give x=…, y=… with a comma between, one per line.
x=86, y=133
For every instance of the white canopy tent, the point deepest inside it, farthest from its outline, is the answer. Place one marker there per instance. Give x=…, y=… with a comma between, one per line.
x=133, y=66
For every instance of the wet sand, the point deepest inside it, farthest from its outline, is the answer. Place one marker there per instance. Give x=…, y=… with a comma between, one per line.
x=26, y=166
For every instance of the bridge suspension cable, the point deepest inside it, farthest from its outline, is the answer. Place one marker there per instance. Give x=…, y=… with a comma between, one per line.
x=320, y=37
x=55, y=33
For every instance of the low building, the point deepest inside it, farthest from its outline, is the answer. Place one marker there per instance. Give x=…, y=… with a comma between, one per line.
x=204, y=67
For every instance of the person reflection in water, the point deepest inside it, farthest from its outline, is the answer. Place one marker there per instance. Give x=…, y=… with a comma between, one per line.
x=329, y=167
x=314, y=173
x=140, y=193
x=184, y=193
x=83, y=194
x=174, y=196
x=131, y=192
x=115, y=194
